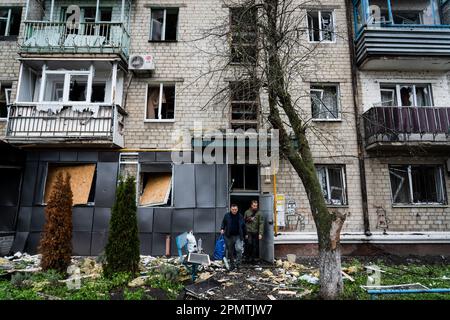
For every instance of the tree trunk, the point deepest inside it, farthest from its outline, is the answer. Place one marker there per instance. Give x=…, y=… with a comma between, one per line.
x=330, y=273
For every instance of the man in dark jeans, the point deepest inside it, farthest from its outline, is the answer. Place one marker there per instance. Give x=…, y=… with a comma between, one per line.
x=233, y=229
x=254, y=224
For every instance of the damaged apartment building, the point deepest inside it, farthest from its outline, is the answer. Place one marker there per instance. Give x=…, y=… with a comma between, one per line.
x=97, y=88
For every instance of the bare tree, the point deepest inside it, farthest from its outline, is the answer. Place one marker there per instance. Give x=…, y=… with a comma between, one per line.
x=263, y=44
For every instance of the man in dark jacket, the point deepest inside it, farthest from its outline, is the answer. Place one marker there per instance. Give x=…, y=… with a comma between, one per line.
x=233, y=229
x=254, y=223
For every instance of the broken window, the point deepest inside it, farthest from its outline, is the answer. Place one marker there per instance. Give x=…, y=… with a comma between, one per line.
x=160, y=102
x=164, y=23
x=155, y=185
x=332, y=182
x=5, y=99
x=98, y=92
x=417, y=184
x=82, y=181
x=243, y=25
x=406, y=95
x=78, y=87
x=325, y=102
x=244, y=105
x=244, y=177
x=10, y=21
x=321, y=26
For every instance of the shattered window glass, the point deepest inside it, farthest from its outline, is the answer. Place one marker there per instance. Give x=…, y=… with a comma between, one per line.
x=332, y=183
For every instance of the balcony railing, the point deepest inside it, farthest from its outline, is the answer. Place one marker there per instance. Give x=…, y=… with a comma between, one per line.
x=407, y=124
x=51, y=37
x=38, y=124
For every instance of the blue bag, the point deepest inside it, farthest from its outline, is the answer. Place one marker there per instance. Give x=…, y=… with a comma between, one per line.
x=219, y=251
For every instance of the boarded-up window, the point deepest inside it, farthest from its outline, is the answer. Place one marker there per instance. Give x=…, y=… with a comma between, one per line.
x=156, y=189
x=81, y=182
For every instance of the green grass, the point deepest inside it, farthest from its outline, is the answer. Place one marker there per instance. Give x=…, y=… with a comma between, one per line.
x=395, y=275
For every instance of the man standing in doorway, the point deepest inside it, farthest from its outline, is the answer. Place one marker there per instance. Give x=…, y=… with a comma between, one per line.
x=233, y=228
x=254, y=223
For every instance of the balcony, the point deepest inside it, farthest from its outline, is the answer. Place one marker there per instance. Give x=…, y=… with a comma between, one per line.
x=89, y=38
x=402, y=35
x=90, y=27
x=394, y=128
x=78, y=124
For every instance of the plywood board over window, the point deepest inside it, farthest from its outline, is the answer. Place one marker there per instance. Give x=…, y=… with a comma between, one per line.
x=81, y=181
x=156, y=189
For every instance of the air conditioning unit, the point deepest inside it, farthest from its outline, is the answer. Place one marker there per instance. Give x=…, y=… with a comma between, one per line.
x=141, y=62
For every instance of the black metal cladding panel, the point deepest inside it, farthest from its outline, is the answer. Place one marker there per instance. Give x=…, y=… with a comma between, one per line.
x=32, y=243
x=162, y=219
x=89, y=156
x=37, y=219
x=98, y=242
x=29, y=183
x=182, y=220
x=220, y=213
x=205, y=185
x=221, y=185
x=108, y=156
x=24, y=219
x=68, y=156
x=49, y=156
x=147, y=156
x=7, y=218
x=20, y=240
x=164, y=156
x=9, y=187
x=159, y=244
x=105, y=191
x=184, y=186
x=145, y=219
x=82, y=218
x=403, y=42
x=204, y=220
x=101, y=219
x=81, y=243
x=156, y=167
x=208, y=242
x=145, y=241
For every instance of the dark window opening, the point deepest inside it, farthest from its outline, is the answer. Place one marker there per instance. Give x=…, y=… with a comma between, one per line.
x=321, y=26
x=10, y=21
x=5, y=99
x=160, y=102
x=78, y=88
x=244, y=105
x=332, y=182
x=243, y=25
x=164, y=24
x=98, y=92
x=244, y=177
x=417, y=184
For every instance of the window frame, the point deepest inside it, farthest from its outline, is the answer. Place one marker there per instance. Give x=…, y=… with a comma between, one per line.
x=7, y=88
x=161, y=88
x=246, y=44
x=397, y=87
x=256, y=103
x=411, y=202
x=342, y=167
x=333, y=18
x=338, y=101
x=8, y=22
x=163, y=29
x=244, y=190
x=66, y=85
x=138, y=188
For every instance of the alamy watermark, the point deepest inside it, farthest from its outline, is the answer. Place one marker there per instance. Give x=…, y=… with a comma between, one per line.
x=227, y=147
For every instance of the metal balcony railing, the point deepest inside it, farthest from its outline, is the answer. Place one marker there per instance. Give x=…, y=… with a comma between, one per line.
x=104, y=37
x=28, y=122
x=384, y=124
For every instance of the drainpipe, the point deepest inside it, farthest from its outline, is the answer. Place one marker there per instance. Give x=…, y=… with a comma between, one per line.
x=362, y=166
x=275, y=215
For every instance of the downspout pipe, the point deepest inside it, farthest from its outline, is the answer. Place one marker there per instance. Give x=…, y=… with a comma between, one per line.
x=359, y=138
